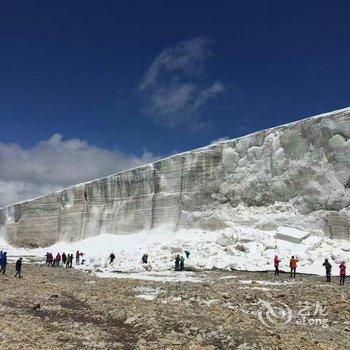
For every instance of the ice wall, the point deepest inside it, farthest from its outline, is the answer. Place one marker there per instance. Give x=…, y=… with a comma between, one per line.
x=305, y=164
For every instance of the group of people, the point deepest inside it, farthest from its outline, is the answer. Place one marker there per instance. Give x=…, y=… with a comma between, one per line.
x=179, y=260
x=3, y=264
x=66, y=259
x=342, y=271
x=293, y=262
x=293, y=267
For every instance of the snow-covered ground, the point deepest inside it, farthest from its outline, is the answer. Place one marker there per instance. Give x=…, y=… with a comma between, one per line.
x=241, y=248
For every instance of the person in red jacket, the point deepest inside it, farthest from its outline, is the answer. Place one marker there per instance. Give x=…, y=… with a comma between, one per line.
x=276, y=263
x=293, y=266
x=342, y=268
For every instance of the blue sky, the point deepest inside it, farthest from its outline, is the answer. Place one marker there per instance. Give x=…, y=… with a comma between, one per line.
x=130, y=81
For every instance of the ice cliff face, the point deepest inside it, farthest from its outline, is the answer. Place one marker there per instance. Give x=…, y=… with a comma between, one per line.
x=296, y=174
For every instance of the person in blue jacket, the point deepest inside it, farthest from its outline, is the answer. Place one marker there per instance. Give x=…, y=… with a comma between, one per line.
x=0, y=257
x=3, y=263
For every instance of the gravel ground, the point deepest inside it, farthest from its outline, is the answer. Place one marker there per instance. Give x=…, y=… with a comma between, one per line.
x=59, y=308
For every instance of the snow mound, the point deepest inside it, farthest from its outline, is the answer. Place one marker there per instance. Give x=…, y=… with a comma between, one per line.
x=240, y=248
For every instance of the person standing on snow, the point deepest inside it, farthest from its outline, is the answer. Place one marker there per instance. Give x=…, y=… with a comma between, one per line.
x=18, y=268
x=293, y=266
x=50, y=259
x=47, y=259
x=3, y=263
x=58, y=259
x=111, y=258
x=77, y=257
x=64, y=258
x=71, y=260
x=328, y=268
x=182, y=263
x=177, y=263
x=342, y=268
x=276, y=263
x=145, y=258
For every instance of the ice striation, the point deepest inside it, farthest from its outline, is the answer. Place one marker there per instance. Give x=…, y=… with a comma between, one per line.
x=295, y=175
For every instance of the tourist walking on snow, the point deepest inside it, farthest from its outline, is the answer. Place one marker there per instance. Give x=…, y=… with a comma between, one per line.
x=328, y=268
x=276, y=263
x=293, y=266
x=3, y=263
x=111, y=258
x=18, y=268
x=145, y=258
x=342, y=268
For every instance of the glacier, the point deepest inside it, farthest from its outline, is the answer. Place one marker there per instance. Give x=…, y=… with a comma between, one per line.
x=243, y=190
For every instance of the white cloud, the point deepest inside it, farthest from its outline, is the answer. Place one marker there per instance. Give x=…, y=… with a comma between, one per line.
x=220, y=139
x=174, y=86
x=56, y=163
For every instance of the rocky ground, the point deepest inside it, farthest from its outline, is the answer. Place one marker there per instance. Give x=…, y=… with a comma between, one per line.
x=59, y=308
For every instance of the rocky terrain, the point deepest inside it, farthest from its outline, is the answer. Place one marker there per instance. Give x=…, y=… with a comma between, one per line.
x=60, y=308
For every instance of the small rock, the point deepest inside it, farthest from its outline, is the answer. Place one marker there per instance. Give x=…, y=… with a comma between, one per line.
x=36, y=307
x=199, y=337
x=130, y=320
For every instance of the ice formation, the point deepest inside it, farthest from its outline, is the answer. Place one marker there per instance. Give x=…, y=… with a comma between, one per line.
x=233, y=204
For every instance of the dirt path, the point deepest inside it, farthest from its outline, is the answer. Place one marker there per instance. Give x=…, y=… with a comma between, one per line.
x=58, y=308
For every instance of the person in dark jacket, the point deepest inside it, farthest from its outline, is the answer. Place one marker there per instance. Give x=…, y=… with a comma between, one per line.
x=18, y=268
x=68, y=260
x=111, y=258
x=50, y=259
x=177, y=263
x=145, y=258
x=77, y=257
x=328, y=268
x=47, y=259
x=64, y=258
x=71, y=260
x=3, y=263
x=182, y=263
x=58, y=259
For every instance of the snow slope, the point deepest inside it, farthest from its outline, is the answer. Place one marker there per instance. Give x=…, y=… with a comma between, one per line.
x=241, y=248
